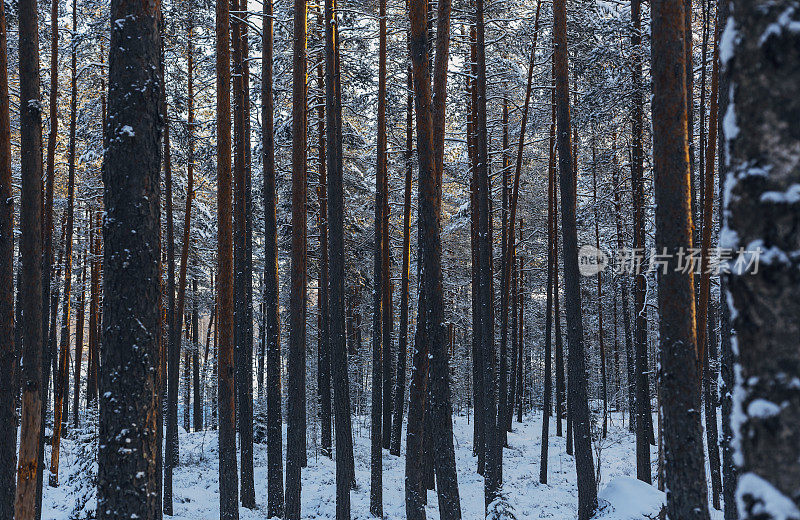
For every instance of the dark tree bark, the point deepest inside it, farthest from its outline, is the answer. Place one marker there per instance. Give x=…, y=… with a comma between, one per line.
x=706, y=322
x=271, y=285
x=727, y=358
x=229, y=483
x=578, y=403
x=600, y=338
x=520, y=336
x=761, y=137
x=548, y=384
x=345, y=471
x=644, y=420
x=493, y=447
x=94, y=311
x=80, y=321
x=387, y=321
x=684, y=472
x=8, y=352
x=380, y=280
x=197, y=399
x=31, y=299
x=127, y=482
x=243, y=252
x=171, y=454
x=622, y=281
x=402, y=347
x=479, y=437
x=295, y=430
x=324, y=352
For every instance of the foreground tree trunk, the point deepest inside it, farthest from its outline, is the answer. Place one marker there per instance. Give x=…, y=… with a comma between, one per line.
x=493, y=447
x=127, y=483
x=761, y=134
x=643, y=417
x=380, y=283
x=30, y=456
x=296, y=371
x=578, y=402
x=228, y=479
x=345, y=471
x=8, y=354
x=684, y=472
x=271, y=285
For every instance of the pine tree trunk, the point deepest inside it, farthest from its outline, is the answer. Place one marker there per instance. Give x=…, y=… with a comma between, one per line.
x=643, y=416
x=127, y=479
x=578, y=403
x=761, y=137
x=295, y=431
x=61, y=383
x=601, y=344
x=271, y=285
x=171, y=454
x=229, y=485
x=197, y=410
x=80, y=321
x=380, y=250
x=243, y=253
x=402, y=348
x=679, y=391
x=345, y=471
x=324, y=359
x=548, y=390
x=8, y=354
x=32, y=291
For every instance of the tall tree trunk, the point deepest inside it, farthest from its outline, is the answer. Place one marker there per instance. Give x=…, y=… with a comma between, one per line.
x=345, y=471
x=643, y=417
x=381, y=234
x=684, y=470
x=48, y=307
x=479, y=436
x=271, y=284
x=8, y=353
x=548, y=390
x=578, y=402
x=520, y=337
x=727, y=358
x=324, y=359
x=30, y=452
x=430, y=195
x=386, y=281
x=512, y=383
x=80, y=321
x=704, y=324
x=197, y=410
x=601, y=344
x=761, y=137
x=402, y=347
x=174, y=331
x=493, y=448
x=94, y=311
x=61, y=384
x=127, y=479
x=243, y=253
x=295, y=431
x=229, y=485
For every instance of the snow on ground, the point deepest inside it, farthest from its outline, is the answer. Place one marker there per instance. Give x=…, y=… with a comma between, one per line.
x=196, y=489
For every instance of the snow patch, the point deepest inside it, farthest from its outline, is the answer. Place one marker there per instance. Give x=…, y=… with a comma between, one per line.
x=628, y=498
x=761, y=499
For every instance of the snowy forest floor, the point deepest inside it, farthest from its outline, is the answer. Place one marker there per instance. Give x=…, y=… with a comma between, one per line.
x=196, y=488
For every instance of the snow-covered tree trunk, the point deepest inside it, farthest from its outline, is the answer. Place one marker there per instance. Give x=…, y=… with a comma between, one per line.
x=760, y=55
